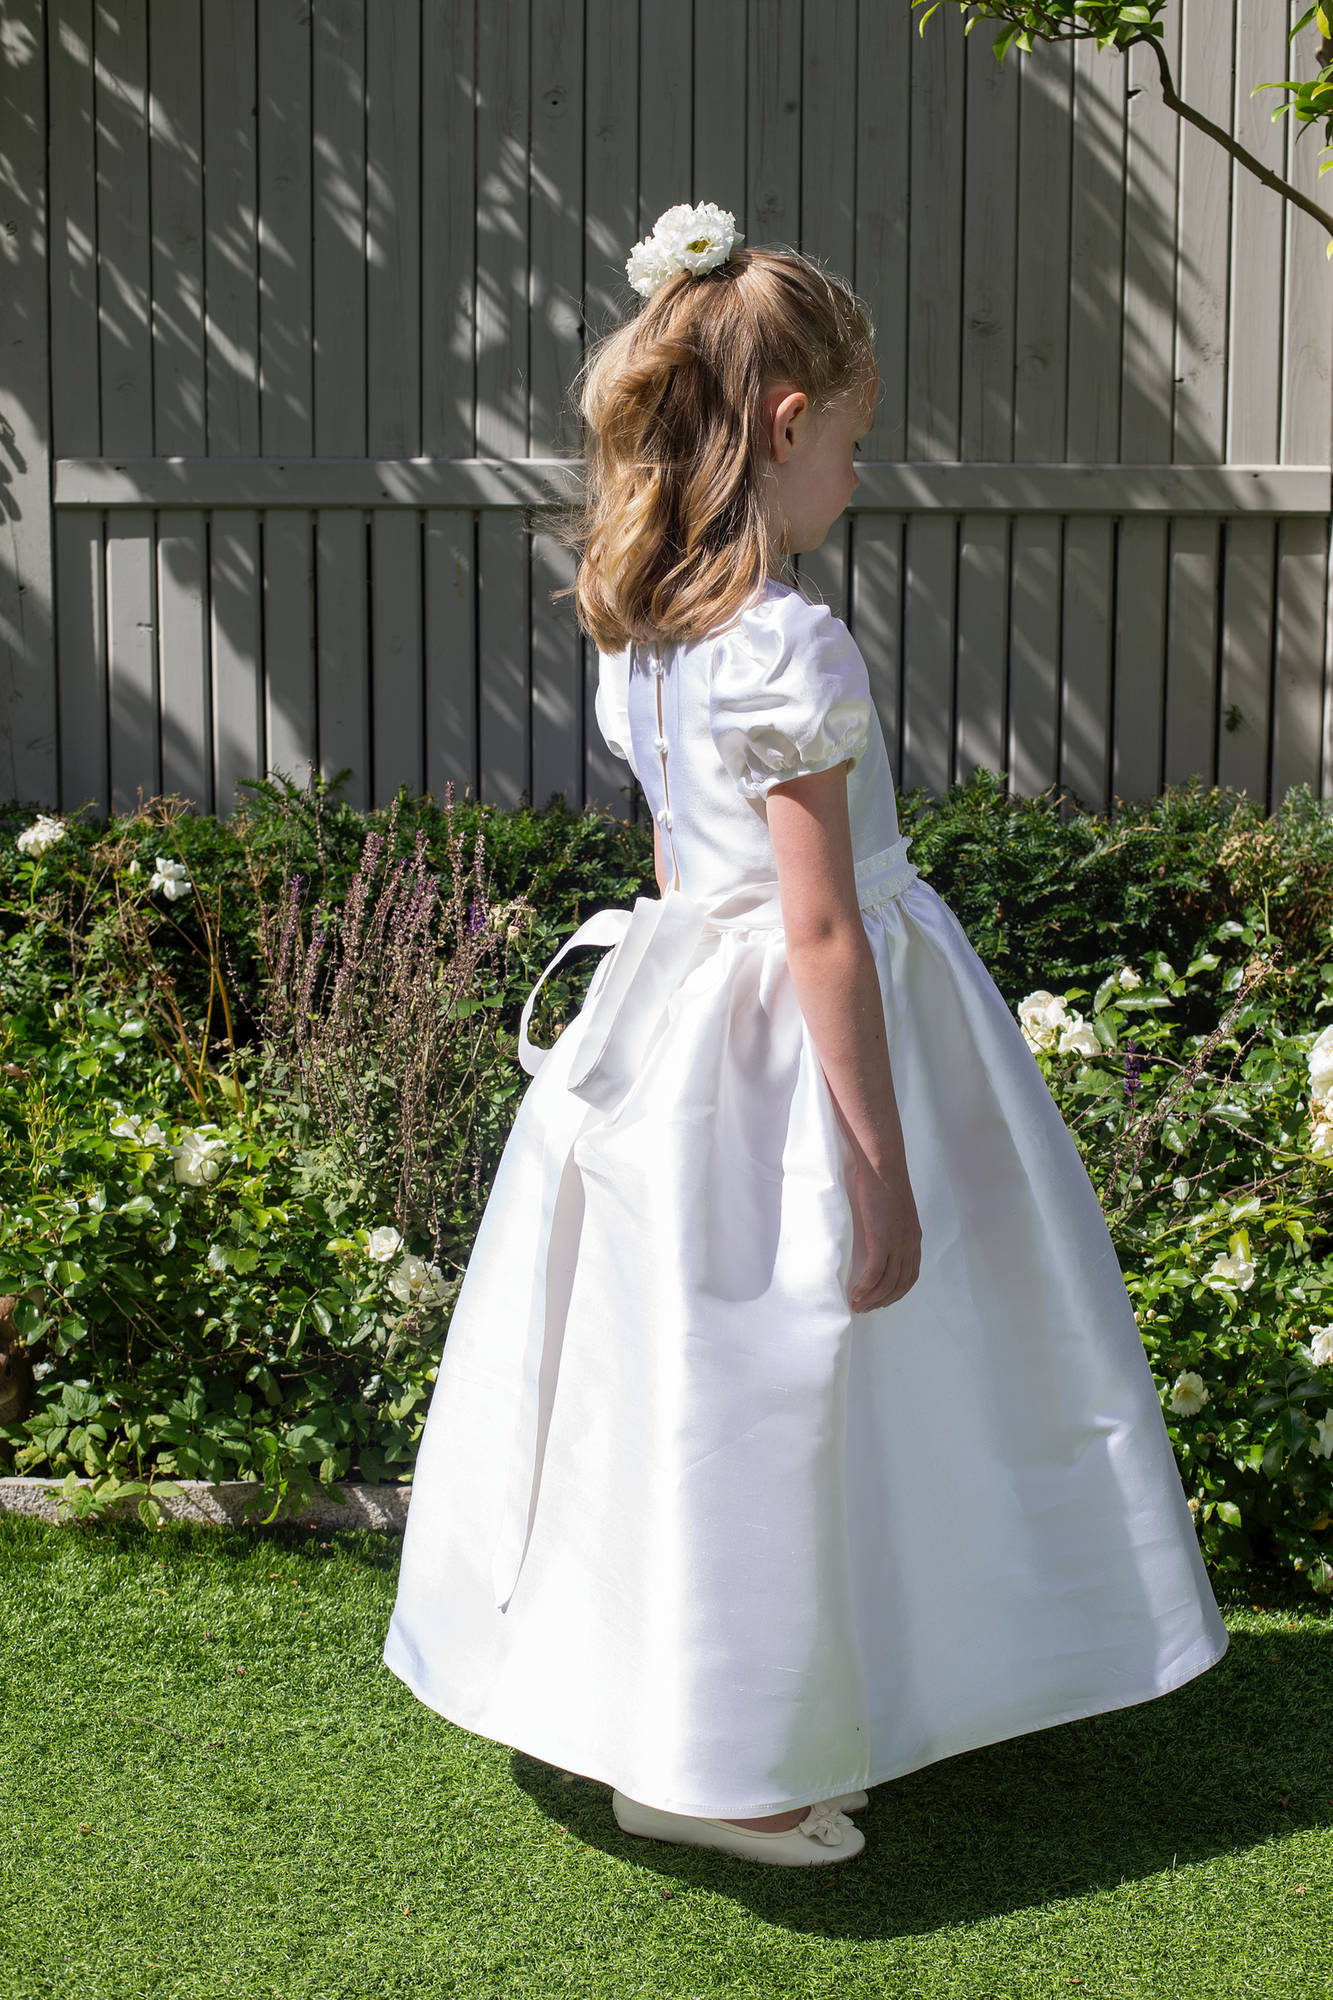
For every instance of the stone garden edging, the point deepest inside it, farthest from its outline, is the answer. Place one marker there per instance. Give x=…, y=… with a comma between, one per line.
x=204, y=1505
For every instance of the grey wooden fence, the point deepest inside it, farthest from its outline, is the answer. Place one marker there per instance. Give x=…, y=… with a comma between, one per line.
x=293, y=291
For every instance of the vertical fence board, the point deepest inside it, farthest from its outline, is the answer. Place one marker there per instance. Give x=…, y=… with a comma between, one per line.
x=883, y=168
x=666, y=110
x=557, y=678
x=338, y=113
x=983, y=628
x=557, y=226
x=877, y=578
x=934, y=282
x=286, y=394
x=1140, y=658
x=451, y=643
x=176, y=157
x=930, y=565
x=123, y=240
x=1147, y=389
x=502, y=230
x=1097, y=209
x=1247, y=655
x=183, y=677
x=610, y=156
x=1257, y=233
x=72, y=167
x=502, y=643
x=341, y=673
x=1203, y=229
x=231, y=269
x=773, y=124
x=1191, y=653
x=990, y=239
x=396, y=691
x=719, y=107
x=448, y=227
x=289, y=641
x=1307, y=351
x=81, y=666
x=393, y=228
x=1085, y=659
x=28, y=720
x=828, y=133
x=1041, y=338
x=1035, y=612
x=238, y=693
x=1298, y=673
x=136, y=768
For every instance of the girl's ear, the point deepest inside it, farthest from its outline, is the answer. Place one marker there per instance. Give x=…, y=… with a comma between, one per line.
x=784, y=414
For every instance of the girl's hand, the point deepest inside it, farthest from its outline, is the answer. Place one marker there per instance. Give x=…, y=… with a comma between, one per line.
x=892, y=1236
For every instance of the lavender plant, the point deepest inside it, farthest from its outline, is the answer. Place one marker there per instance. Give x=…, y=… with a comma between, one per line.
x=381, y=1012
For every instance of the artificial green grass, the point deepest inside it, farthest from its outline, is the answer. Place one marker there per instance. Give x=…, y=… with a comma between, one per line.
x=213, y=1787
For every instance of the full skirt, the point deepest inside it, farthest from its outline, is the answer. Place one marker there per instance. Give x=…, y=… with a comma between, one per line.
x=682, y=1523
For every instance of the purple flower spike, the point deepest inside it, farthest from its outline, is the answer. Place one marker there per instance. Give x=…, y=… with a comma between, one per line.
x=1133, y=1065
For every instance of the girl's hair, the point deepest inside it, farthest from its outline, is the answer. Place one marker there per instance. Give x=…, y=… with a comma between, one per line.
x=672, y=534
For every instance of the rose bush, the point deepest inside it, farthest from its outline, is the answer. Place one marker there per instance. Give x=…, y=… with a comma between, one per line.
x=211, y=1285
x=1202, y=1147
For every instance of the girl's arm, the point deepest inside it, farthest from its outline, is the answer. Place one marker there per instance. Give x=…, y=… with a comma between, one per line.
x=839, y=994
x=659, y=866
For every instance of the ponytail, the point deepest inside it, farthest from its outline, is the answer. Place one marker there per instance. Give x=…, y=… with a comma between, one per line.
x=672, y=534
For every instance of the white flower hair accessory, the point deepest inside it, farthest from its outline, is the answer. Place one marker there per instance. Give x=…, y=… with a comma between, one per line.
x=684, y=239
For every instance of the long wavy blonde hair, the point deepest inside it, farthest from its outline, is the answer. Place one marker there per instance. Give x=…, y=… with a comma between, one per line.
x=672, y=535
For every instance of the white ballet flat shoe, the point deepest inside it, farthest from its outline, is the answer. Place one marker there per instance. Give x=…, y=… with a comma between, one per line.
x=849, y=1802
x=823, y=1836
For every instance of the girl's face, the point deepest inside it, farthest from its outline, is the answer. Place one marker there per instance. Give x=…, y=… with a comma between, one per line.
x=812, y=464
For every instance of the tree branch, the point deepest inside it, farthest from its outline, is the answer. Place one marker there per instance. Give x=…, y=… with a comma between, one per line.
x=1174, y=102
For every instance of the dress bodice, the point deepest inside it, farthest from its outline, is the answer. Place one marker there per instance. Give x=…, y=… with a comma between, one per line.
x=709, y=728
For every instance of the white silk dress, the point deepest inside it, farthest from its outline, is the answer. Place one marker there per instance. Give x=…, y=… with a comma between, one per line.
x=680, y=1521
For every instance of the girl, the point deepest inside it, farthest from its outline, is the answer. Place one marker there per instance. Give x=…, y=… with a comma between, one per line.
x=744, y=1488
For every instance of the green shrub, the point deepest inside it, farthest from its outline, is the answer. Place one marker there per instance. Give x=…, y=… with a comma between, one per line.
x=239, y=1326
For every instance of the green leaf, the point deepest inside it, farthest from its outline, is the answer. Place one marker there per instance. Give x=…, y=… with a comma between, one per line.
x=1228, y=1511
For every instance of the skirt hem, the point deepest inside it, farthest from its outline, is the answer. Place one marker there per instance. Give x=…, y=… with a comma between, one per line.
x=1197, y=1660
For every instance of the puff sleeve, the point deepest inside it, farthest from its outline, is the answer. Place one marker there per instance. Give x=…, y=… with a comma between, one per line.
x=789, y=694
x=612, y=705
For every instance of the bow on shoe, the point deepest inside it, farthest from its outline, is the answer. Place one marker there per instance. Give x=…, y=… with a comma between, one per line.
x=826, y=1823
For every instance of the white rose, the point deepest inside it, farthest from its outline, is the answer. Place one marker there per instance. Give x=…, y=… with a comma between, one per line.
x=1041, y=1016
x=172, y=878
x=43, y=833
x=1078, y=1039
x=1320, y=1062
x=683, y=239
x=1321, y=1138
x=41, y=1369
x=1127, y=979
x=1320, y=1349
x=1321, y=1444
x=1233, y=1269
x=384, y=1243
x=133, y=1127
x=408, y=1279
x=197, y=1156
x=1188, y=1394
